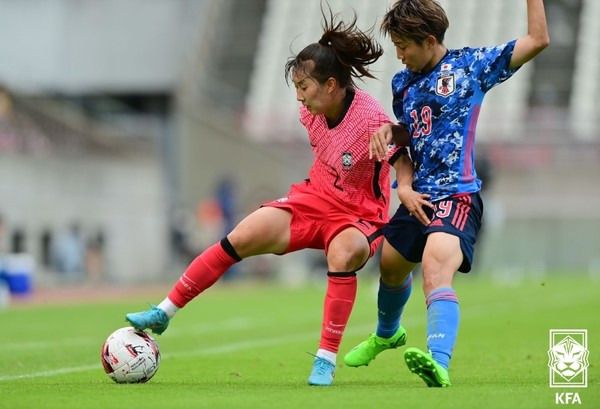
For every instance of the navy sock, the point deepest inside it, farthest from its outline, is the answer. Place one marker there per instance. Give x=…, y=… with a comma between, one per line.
x=390, y=304
x=442, y=324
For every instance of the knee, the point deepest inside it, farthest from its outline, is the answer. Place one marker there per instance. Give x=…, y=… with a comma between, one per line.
x=394, y=275
x=348, y=257
x=435, y=277
x=241, y=242
x=429, y=283
x=394, y=269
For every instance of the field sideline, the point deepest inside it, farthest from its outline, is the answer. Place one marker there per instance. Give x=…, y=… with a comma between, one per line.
x=245, y=347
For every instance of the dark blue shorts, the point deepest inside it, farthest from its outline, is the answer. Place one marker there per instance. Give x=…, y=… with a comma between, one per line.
x=458, y=215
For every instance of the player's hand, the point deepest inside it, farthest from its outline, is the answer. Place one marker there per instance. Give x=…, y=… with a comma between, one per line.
x=378, y=146
x=414, y=202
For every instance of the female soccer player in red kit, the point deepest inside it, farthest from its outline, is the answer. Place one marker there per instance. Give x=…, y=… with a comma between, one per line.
x=339, y=208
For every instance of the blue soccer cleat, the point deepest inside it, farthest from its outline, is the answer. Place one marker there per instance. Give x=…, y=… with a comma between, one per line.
x=322, y=373
x=154, y=319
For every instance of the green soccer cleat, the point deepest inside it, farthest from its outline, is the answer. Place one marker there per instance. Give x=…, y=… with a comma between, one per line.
x=367, y=350
x=422, y=364
x=154, y=319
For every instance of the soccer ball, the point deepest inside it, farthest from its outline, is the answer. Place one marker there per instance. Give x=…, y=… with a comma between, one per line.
x=130, y=356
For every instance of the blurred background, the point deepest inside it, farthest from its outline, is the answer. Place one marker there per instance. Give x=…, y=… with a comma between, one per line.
x=135, y=133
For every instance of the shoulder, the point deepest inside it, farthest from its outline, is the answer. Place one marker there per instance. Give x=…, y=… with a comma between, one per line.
x=400, y=77
x=362, y=98
x=505, y=49
x=400, y=80
x=482, y=53
x=460, y=56
x=366, y=103
x=367, y=108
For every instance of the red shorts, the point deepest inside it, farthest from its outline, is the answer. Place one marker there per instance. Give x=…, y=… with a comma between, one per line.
x=316, y=220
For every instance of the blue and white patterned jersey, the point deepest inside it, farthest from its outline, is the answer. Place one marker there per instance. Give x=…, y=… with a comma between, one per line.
x=440, y=110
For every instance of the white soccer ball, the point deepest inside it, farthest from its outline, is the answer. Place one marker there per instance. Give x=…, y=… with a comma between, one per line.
x=130, y=356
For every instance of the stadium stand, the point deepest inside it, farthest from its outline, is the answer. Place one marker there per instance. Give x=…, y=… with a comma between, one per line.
x=289, y=25
x=586, y=82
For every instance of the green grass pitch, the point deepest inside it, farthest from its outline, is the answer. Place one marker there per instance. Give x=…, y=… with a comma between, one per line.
x=244, y=346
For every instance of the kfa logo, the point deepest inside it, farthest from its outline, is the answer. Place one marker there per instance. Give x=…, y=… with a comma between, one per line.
x=568, y=358
x=445, y=85
x=567, y=398
x=568, y=363
x=347, y=160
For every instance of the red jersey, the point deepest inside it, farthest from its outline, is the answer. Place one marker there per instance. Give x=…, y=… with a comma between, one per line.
x=342, y=170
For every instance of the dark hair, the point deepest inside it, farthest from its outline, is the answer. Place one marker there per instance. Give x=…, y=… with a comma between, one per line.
x=415, y=20
x=343, y=52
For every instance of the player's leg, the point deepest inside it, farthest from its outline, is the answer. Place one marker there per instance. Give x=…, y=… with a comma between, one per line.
x=348, y=251
x=441, y=259
x=449, y=248
x=267, y=230
x=402, y=249
x=395, y=287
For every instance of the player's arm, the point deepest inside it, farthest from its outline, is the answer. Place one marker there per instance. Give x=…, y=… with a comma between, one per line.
x=413, y=201
x=386, y=134
x=537, y=37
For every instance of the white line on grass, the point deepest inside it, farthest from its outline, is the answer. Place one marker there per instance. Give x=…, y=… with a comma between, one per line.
x=222, y=349
x=60, y=371
x=46, y=344
x=468, y=314
x=234, y=324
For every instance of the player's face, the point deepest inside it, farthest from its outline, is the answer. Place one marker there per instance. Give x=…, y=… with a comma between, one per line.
x=310, y=93
x=416, y=57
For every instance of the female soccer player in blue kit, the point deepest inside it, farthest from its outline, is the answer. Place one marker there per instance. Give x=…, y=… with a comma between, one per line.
x=436, y=99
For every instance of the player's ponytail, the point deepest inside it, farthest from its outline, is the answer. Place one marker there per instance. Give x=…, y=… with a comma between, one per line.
x=343, y=52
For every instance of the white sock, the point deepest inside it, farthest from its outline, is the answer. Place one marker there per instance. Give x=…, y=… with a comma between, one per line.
x=168, y=307
x=330, y=356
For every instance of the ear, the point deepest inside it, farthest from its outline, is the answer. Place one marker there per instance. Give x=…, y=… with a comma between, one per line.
x=331, y=84
x=430, y=41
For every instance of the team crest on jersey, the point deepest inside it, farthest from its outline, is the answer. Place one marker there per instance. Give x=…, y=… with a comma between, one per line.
x=347, y=160
x=445, y=85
